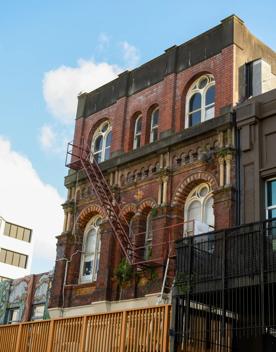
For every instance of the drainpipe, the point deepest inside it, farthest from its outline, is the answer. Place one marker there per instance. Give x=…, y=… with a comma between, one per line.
x=67, y=261
x=238, y=172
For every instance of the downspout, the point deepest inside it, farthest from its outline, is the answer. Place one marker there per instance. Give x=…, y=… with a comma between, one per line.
x=238, y=172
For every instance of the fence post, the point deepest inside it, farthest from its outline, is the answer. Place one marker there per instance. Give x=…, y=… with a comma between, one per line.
x=166, y=329
x=83, y=333
x=18, y=339
x=123, y=332
x=50, y=336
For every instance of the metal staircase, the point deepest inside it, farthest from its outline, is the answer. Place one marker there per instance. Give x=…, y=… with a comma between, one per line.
x=81, y=157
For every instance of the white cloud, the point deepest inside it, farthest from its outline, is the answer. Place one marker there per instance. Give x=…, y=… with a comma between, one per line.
x=130, y=54
x=54, y=138
x=103, y=41
x=47, y=137
x=27, y=200
x=62, y=85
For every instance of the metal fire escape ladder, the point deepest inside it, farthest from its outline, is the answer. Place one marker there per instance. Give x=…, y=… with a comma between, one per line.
x=82, y=158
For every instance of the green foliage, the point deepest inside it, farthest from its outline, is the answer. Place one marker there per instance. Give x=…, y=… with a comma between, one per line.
x=124, y=272
x=154, y=212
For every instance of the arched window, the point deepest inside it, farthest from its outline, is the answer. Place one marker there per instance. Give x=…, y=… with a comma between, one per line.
x=199, y=213
x=154, y=122
x=91, y=250
x=101, y=142
x=148, y=237
x=200, y=101
x=137, y=132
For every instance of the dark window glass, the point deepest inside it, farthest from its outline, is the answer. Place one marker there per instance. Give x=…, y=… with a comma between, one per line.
x=202, y=83
x=272, y=213
x=154, y=133
x=195, y=102
x=155, y=117
x=138, y=141
x=194, y=118
x=98, y=144
x=138, y=125
x=104, y=128
x=87, y=268
x=107, y=153
x=271, y=193
x=210, y=95
x=108, y=139
x=98, y=157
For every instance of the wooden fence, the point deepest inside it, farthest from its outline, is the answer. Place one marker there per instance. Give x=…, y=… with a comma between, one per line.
x=144, y=330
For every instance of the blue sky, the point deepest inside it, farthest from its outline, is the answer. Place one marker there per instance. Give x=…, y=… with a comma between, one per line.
x=51, y=50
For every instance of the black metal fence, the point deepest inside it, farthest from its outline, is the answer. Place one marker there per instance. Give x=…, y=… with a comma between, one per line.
x=224, y=297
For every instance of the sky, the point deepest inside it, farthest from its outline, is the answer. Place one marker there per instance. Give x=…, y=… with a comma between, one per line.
x=51, y=51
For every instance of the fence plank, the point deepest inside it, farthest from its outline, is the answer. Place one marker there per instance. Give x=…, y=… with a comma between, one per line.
x=123, y=332
x=50, y=336
x=166, y=323
x=18, y=340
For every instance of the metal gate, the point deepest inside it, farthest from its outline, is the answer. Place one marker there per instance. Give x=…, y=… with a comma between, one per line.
x=224, y=298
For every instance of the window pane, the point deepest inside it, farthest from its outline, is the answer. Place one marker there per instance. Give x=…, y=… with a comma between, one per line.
x=16, y=258
x=271, y=193
x=209, y=212
x=20, y=233
x=27, y=235
x=9, y=257
x=98, y=157
x=195, y=102
x=210, y=95
x=272, y=213
x=2, y=255
x=7, y=229
x=98, y=144
x=87, y=267
x=107, y=153
x=210, y=113
x=90, y=241
x=202, y=83
x=138, y=125
x=194, y=118
x=23, y=261
x=108, y=139
x=194, y=211
x=154, y=135
x=38, y=311
x=155, y=118
x=104, y=128
x=13, y=231
x=137, y=142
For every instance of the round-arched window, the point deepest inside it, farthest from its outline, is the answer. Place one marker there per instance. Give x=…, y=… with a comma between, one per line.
x=200, y=101
x=101, y=142
x=91, y=250
x=199, y=213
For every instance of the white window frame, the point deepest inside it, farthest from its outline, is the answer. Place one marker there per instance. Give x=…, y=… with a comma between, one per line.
x=137, y=134
x=271, y=207
x=92, y=224
x=202, y=91
x=102, y=152
x=154, y=126
x=194, y=196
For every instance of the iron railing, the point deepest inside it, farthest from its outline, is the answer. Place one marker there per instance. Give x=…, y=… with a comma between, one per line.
x=224, y=297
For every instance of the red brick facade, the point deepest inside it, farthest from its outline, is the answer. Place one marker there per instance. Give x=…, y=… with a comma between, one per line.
x=156, y=178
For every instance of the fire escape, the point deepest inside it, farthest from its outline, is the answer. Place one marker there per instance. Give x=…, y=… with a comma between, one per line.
x=81, y=158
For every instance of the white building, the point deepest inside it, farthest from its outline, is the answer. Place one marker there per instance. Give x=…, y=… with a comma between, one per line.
x=16, y=247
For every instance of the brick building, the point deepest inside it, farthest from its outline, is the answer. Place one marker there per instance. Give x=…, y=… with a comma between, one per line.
x=164, y=136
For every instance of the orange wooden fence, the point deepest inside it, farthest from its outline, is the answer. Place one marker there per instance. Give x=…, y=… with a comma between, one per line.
x=144, y=330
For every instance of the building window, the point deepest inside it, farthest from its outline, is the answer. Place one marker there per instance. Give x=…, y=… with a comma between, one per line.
x=38, y=312
x=13, y=316
x=148, y=237
x=199, y=213
x=101, y=142
x=91, y=250
x=137, y=132
x=200, y=101
x=271, y=199
x=154, y=121
x=18, y=232
x=13, y=258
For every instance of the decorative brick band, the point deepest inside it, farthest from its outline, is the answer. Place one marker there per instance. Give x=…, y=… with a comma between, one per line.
x=193, y=179
x=87, y=213
x=127, y=209
x=145, y=204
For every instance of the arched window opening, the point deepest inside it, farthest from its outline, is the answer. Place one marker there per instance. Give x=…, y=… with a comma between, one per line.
x=137, y=132
x=101, y=142
x=91, y=250
x=148, y=237
x=199, y=212
x=200, y=101
x=154, y=123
